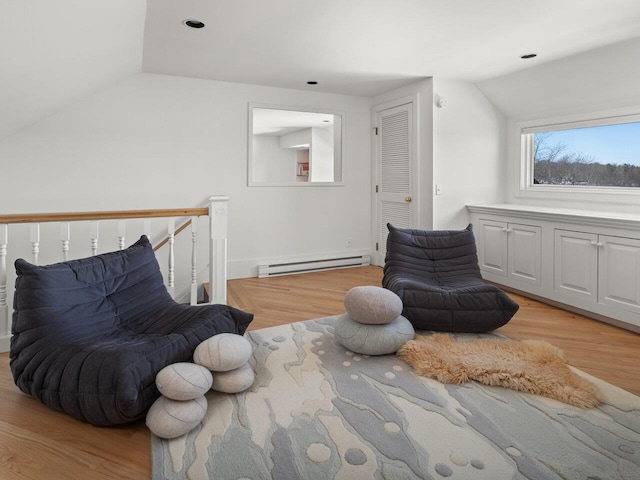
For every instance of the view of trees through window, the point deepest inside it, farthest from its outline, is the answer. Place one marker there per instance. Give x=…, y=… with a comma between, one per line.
x=606, y=155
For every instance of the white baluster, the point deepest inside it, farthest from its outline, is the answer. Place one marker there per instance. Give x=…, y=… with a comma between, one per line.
x=218, y=207
x=94, y=235
x=121, y=234
x=194, y=263
x=35, y=242
x=171, y=272
x=5, y=323
x=65, y=237
x=146, y=229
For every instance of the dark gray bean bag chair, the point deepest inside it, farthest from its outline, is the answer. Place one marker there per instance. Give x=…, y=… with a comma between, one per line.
x=90, y=335
x=436, y=274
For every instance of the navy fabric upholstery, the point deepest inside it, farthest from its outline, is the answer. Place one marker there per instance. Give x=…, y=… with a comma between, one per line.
x=436, y=274
x=90, y=335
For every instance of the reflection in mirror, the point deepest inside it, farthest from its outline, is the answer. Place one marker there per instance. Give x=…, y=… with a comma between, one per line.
x=294, y=146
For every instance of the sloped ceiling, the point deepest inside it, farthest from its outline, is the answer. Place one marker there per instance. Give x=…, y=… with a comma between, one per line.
x=367, y=47
x=606, y=76
x=54, y=52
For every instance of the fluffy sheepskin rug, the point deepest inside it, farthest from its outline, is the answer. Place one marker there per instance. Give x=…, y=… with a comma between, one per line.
x=532, y=366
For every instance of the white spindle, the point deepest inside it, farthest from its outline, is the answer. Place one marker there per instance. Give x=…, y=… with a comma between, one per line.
x=5, y=323
x=171, y=273
x=121, y=234
x=146, y=228
x=94, y=235
x=35, y=242
x=194, y=263
x=218, y=207
x=65, y=237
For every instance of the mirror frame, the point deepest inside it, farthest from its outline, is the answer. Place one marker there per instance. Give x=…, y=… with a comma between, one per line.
x=252, y=183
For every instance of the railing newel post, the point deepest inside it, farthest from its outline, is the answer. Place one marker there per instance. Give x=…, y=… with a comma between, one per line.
x=194, y=261
x=5, y=318
x=218, y=224
x=171, y=232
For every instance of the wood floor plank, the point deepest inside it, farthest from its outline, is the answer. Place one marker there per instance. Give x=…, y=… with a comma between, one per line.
x=39, y=443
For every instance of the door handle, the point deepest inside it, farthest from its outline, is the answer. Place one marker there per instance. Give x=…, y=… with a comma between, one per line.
x=407, y=199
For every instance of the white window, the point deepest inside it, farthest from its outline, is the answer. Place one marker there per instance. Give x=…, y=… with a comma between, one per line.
x=600, y=155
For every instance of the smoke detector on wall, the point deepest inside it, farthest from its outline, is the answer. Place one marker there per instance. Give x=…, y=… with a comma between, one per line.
x=441, y=102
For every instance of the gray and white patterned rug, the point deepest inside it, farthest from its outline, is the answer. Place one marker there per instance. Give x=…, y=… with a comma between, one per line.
x=319, y=411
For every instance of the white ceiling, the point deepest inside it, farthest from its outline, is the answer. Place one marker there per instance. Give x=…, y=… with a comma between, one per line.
x=360, y=47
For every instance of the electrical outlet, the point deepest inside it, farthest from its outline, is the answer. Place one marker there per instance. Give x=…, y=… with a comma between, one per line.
x=348, y=242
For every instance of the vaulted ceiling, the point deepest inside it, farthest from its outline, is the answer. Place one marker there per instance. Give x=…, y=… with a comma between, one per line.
x=54, y=52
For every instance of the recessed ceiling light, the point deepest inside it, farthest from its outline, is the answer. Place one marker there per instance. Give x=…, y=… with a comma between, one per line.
x=529, y=55
x=194, y=23
x=312, y=82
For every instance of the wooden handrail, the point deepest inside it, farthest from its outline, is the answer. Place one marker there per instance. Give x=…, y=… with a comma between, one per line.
x=101, y=215
x=165, y=240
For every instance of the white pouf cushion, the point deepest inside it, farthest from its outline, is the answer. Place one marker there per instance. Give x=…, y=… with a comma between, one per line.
x=234, y=381
x=223, y=352
x=172, y=418
x=373, y=339
x=183, y=381
x=372, y=305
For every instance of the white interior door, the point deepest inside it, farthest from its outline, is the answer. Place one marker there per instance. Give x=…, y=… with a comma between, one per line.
x=395, y=163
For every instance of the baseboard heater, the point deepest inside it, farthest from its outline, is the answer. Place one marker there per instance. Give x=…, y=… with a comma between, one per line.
x=291, y=268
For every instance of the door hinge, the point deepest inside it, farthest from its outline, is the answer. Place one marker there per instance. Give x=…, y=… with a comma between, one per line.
x=377, y=247
x=376, y=188
x=375, y=129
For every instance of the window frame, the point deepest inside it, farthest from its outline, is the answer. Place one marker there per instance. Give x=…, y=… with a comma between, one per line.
x=525, y=131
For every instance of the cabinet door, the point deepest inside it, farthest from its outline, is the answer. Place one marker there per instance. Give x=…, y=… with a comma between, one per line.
x=492, y=247
x=524, y=259
x=576, y=264
x=619, y=272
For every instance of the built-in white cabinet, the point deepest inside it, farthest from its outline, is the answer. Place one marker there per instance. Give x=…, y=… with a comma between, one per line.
x=575, y=269
x=582, y=261
x=598, y=268
x=619, y=272
x=509, y=250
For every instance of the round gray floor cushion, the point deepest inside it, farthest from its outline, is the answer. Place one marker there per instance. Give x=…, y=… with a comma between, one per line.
x=90, y=335
x=436, y=274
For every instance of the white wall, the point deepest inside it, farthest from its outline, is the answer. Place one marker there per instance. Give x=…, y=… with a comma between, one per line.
x=468, y=153
x=56, y=52
x=600, y=83
x=154, y=141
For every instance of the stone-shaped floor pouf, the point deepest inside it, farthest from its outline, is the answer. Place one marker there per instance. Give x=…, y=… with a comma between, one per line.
x=173, y=418
x=372, y=305
x=223, y=352
x=234, y=381
x=373, y=339
x=183, y=381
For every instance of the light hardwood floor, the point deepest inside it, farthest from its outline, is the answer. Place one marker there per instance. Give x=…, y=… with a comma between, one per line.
x=39, y=443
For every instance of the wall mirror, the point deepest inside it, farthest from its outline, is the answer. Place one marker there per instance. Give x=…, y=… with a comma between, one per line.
x=294, y=146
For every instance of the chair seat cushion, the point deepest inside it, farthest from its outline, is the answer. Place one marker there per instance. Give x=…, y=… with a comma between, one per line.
x=90, y=335
x=468, y=306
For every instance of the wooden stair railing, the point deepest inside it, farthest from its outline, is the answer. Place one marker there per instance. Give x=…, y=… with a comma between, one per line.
x=216, y=211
